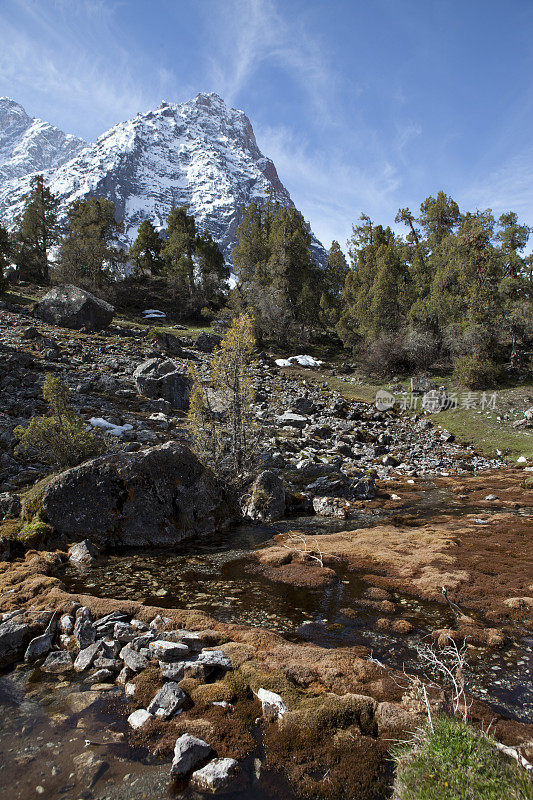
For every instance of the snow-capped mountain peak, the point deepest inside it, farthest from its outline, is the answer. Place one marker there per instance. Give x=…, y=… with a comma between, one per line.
x=200, y=153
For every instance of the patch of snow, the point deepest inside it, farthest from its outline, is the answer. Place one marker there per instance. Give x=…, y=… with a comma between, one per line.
x=108, y=427
x=303, y=361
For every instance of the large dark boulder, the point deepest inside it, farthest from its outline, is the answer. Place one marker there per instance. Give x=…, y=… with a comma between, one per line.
x=158, y=496
x=71, y=307
x=266, y=501
x=163, y=380
x=206, y=342
x=15, y=636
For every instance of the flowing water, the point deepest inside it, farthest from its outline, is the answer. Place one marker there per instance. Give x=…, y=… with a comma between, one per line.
x=211, y=576
x=40, y=737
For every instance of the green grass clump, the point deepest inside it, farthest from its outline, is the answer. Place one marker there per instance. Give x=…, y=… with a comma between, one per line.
x=457, y=763
x=476, y=372
x=35, y=533
x=60, y=439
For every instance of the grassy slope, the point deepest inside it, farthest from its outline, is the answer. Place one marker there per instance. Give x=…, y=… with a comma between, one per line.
x=456, y=763
x=481, y=429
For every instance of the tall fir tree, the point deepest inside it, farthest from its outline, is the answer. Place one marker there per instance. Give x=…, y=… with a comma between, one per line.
x=90, y=254
x=38, y=231
x=179, y=248
x=146, y=250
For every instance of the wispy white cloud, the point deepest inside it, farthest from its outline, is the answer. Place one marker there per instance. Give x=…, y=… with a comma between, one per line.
x=70, y=53
x=248, y=34
x=329, y=188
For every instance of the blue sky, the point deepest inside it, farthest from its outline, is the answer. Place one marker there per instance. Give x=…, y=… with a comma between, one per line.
x=363, y=105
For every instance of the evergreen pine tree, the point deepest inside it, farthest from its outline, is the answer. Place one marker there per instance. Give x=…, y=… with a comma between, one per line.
x=38, y=231
x=89, y=255
x=179, y=248
x=146, y=249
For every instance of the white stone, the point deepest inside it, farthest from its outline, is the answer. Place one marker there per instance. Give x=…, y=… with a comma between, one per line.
x=272, y=704
x=188, y=753
x=216, y=775
x=139, y=718
x=168, y=651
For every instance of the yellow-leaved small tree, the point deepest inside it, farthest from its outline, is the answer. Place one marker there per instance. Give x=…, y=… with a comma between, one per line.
x=221, y=418
x=60, y=439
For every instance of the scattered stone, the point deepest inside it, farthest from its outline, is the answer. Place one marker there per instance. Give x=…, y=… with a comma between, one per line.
x=82, y=553
x=86, y=656
x=38, y=647
x=189, y=752
x=168, y=651
x=89, y=768
x=139, y=718
x=132, y=659
x=206, y=342
x=169, y=699
x=15, y=636
x=158, y=496
x=267, y=498
x=80, y=701
x=71, y=307
x=162, y=379
x=272, y=704
x=58, y=661
x=216, y=775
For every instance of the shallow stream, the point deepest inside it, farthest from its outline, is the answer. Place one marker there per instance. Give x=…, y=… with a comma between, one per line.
x=211, y=576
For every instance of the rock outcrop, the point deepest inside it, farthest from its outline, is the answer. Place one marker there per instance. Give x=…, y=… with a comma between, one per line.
x=161, y=379
x=158, y=496
x=266, y=502
x=71, y=307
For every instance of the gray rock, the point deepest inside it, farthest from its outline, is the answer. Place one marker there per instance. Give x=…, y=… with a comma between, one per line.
x=15, y=636
x=292, y=420
x=179, y=670
x=66, y=624
x=86, y=656
x=89, y=768
x=9, y=505
x=272, y=704
x=206, y=342
x=132, y=659
x=267, y=498
x=84, y=631
x=216, y=775
x=139, y=718
x=158, y=496
x=38, y=647
x=420, y=385
x=189, y=752
x=169, y=699
x=168, y=651
x=162, y=379
x=213, y=658
x=71, y=307
x=364, y=488
x=102, y=675
x=57, y=661
x=82, y=553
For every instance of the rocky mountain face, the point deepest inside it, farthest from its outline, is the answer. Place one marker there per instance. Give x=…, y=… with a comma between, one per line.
x=30, y=145
x=200, y=153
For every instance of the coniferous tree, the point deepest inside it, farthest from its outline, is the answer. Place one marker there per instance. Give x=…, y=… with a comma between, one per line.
x=333, y=280
x=179, y=248
x=38, y=231
x=146, y=250
x=277, y=274
x=5, y=256
x=89, y=254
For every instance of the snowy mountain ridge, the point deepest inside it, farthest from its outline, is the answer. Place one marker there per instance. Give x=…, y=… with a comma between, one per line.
x=200, y=153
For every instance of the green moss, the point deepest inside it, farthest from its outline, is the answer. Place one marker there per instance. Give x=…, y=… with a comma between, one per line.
x=32, y=499
x=35, y=533
x=457, y=763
